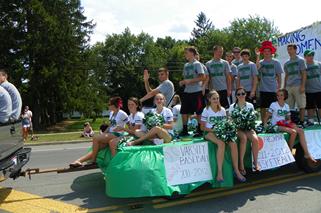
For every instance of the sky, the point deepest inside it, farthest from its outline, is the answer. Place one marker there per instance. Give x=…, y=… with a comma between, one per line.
x=175, y=18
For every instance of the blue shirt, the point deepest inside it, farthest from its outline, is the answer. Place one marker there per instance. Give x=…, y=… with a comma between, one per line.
x=5, y=105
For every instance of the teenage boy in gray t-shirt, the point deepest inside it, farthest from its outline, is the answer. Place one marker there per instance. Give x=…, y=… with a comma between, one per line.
x=270, y=71
x=166, y=87
x=295, y=78
x=247, y=76
x=312, y=86
x=219, y=72
x=192, y=98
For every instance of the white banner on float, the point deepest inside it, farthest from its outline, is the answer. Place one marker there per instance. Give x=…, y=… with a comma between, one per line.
x=187, y=163
x=273, y=151
x=305, y=38
x=313, y=138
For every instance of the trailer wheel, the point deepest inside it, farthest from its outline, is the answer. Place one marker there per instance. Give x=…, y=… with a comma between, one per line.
x=305, y=164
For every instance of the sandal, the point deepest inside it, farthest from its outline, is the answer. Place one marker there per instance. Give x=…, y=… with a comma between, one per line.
x=75, y=164
x=243, y=172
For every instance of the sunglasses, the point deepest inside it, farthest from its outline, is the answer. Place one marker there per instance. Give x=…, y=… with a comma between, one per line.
x=241, y=94
x=236, y=52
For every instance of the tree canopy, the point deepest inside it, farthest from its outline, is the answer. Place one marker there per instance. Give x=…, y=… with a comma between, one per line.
x=47, y=54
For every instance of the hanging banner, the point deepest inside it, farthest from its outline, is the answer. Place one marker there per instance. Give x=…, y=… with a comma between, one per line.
x=273, y=151
x=187, y=163
x=305, y=38
x=313, y=138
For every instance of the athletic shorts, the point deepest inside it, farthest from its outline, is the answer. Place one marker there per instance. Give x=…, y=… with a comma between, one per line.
x=192, y=103
x=266, y=98
x=313, y=100
x=223, y=99
x=296, y=97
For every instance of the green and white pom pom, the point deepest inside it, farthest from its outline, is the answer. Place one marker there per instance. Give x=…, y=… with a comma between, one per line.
x=152, y=119
x=244, y=119
x=225, y=130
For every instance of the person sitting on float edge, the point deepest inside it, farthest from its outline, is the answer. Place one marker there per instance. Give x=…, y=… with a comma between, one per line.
x=165, y=132
x=13, y=92
x=166, y=87
x=5, y=106
x=243, y=136
x=280, y=112
x=88, y=131
x=118, y=119
x=211, y=113
x=135, y=123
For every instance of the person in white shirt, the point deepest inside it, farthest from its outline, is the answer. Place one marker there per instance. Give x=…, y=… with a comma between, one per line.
x=244, y=136
x=212, y=113
x=280, y=112
x=135, y=124
x=165, y=132
x=118, y=119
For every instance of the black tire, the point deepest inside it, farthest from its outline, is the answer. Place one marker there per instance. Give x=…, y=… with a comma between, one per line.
x=305, y=164
x=175, y=196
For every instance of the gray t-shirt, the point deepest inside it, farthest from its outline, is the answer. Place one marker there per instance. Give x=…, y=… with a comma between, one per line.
x=192, y=70
x=313, y=83
x=167, y=89
x=219, y=72
x=5, y=105
x=294, y=68
x=234, y=75
x=268, y=72
x=15, y=97
x=246, y=74
x=237, y=62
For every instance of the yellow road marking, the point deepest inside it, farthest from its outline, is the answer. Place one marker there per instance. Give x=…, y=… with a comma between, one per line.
x=16, y=201
x=232, y=192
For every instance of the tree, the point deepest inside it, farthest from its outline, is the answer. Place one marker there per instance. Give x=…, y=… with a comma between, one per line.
x=45, y=54
x=203, y=25
x=250, y=32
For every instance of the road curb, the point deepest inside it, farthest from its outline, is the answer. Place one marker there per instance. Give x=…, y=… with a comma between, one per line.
x=56, y=142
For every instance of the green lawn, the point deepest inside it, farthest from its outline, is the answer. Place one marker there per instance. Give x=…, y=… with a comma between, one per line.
x=68, y=130
x=78, y=125
x=72, y=136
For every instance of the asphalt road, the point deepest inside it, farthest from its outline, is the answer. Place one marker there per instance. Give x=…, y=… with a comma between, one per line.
x=283, y=190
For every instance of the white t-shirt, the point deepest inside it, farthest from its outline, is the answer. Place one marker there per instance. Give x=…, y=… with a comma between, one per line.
x=279, y=113
x=247, y=107
x=177, y=115
x=167, y=115
x=119, y=119
x=137, y=119
x=209, y=116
